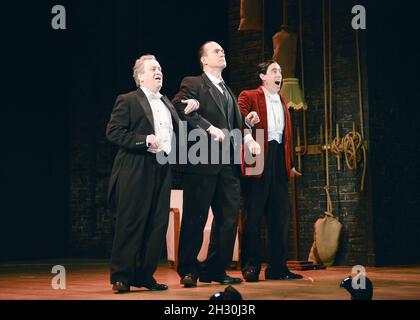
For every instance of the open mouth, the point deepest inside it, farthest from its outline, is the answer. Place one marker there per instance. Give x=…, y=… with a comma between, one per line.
x=158, y=78
x=277, y=82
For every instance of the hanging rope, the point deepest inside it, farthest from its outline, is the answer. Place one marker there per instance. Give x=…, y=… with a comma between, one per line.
x=362, y=123
x=359, y=82
x=330, y=70
x=326, y=137
x=305, y=139
x=329, y=211
x=353, y=143
x=327, y=174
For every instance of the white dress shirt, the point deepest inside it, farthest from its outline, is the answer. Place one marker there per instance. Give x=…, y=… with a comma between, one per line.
x=216, y=81
x=162, y=121
x=275, y=116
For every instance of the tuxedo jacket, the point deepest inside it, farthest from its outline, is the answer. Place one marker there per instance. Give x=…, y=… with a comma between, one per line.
x=130, y=123
x=210, y=112
x=254, y=100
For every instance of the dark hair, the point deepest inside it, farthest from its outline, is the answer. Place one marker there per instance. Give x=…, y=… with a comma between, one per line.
x=201, y=52
x=263, y=67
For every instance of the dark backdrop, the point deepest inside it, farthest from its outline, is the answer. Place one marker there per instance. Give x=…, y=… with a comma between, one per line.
x=56, y=81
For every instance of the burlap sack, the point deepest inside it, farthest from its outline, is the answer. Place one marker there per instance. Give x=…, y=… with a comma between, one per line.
x=326, y=240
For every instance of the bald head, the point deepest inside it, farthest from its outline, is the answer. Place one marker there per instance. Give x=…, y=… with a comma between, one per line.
x=211, y=56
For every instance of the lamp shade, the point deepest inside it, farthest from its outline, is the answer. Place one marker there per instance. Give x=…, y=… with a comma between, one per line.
x=291, y=91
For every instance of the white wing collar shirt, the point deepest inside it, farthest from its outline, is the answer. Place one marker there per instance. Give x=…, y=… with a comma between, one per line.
x=275, y=116
x=162, y=121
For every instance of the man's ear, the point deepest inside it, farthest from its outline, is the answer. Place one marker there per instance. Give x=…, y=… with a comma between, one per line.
x=202, y=60
x=262, y=76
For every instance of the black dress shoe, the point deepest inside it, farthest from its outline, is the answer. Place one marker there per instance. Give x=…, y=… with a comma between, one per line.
x=282, y=276
x=156, y=287
x=250, y=275
x=189, y=281
x=120, y=287
x=222, y=279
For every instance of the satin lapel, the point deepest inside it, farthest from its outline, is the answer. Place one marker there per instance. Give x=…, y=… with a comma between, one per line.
x=287, y=121
x=171, y=109
x=262, y=106
x=211, y=87
x=144, y=103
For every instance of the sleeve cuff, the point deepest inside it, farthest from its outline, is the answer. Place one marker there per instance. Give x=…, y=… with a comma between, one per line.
x=248, y=125
x=248, y=138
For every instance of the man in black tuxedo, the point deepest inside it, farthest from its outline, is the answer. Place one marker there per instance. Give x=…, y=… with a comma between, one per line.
x=217, y=184
x=142, y=126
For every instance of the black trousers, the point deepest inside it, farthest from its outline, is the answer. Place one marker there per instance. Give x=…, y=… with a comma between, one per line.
x=142, y=207
x=268, y=194
x=222, y=193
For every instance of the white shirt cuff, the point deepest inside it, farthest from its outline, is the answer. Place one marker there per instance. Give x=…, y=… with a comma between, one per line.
x=248, y=137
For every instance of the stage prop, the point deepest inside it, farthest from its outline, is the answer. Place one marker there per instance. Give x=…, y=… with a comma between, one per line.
x=174, y=227
x=251, y=15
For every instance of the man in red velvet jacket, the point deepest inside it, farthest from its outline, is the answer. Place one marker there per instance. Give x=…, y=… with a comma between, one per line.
x=267, y=192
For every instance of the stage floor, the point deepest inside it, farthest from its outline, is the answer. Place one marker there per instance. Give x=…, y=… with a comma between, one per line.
x=89, y=280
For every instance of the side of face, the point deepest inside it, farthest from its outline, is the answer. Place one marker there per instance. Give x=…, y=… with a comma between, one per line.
x=152, y=77
x=214, y=56
x=273, y=77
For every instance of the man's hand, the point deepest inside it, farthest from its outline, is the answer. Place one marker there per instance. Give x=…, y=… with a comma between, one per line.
x=192, y=105
x=253, y=147
x=216, y=133
x=295, y=173
x=252, y=118
x=152, y=141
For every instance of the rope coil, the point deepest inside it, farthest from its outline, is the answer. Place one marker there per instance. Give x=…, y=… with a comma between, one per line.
x=353, y=147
